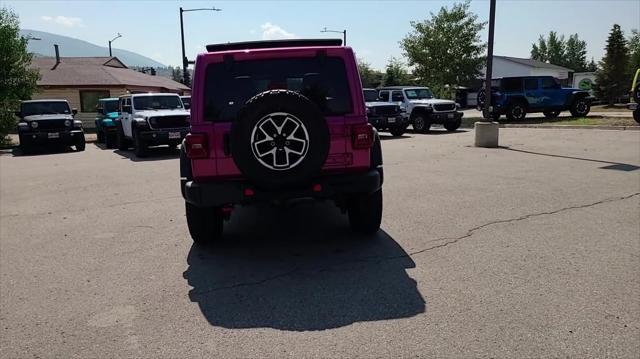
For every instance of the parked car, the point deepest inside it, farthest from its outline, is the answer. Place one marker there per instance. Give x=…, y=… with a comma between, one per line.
x=186, y=101
x=634, y=94
x=422, y=109
x=106, y=116
x=384, y=115
x=151, y=119
x=285, y=122
x=517, y=96
x=48, y=123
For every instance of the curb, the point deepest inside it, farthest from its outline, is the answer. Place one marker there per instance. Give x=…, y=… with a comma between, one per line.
x=573, y=127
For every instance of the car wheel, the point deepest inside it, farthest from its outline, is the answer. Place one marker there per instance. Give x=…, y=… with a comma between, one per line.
x=365, y=212
x=110, y=140
x=495, y=116
x=580, y=107
x=205, y=223
x=398, y=131
x=551, y=114
x=140, y=148
x=101, y=137
x=636, y=114
x=121, y=141
x=453, y=126
x=80, y=144
x=420, y=124
x=516, y=111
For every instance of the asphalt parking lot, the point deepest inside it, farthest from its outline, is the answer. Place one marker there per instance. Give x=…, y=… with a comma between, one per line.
x=529, y=250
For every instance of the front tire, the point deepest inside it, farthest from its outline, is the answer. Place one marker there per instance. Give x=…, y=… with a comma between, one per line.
x=205, y=223
x=636, y=114
x=453, y=126
x=516, y=111
x=101, y=137
x=121, y=141
x=110, y=140
x=365, y=212
x=397, y=131
x=580, y=107
x=420, y=124
x=140, y=148
x=81, y=144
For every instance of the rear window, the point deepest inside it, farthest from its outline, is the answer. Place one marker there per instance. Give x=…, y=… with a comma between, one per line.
x=228, y=86
x=45, y=108
x=371, y=95
x=512, y=85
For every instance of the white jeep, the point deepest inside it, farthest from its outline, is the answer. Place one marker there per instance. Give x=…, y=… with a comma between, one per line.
x=151, y=119
x=418, y=104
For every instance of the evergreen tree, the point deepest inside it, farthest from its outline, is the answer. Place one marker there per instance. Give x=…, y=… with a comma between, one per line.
x=612, y=79
x=576, y=54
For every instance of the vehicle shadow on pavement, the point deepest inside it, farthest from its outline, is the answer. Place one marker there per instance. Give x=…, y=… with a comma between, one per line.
x=153, y=154
x=390, y=137
x=300, y=269
x=616, y=166
x=438, y=131
x=42, y=151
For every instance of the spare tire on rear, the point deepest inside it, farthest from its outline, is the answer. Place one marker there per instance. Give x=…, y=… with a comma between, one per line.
x=280, y=139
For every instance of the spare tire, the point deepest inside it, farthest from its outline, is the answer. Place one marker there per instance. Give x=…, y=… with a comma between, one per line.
x=279, y=139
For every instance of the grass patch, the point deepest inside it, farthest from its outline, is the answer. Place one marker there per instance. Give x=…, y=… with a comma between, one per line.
x=563, y=121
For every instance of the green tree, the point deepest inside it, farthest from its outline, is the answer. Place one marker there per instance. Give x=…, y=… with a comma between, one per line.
x=576, y=54
x=396, y=73
x=17, y=78
x=539, y=51
x=556, y=49
x=592, y=66
x=368, y=76
x=634, y=51
x=176, y=74
x=446, y=49
x=612, y=78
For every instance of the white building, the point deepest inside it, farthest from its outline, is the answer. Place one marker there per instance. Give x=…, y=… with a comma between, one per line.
x=506, y=66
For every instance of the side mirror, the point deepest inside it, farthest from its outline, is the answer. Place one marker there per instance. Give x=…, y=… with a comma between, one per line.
x=187, y=106
x=18, y=113
x=74, y=111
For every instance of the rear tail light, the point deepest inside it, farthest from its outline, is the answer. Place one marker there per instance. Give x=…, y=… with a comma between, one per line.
x=362, y=136
x=196, y=144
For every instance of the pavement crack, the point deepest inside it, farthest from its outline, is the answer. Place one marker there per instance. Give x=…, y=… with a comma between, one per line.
x=447, y=241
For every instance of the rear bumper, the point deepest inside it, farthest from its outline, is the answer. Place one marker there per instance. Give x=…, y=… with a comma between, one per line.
x=445, y=117
x=44, y=138
x=209, y=194
x=161, y=136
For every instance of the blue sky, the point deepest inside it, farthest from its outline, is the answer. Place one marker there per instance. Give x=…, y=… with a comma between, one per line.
x=374, y=28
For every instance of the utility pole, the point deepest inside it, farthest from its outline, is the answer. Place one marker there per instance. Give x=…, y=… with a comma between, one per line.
x=343, y=32
x=185, y=61
x=486, y=131
x=112, y=40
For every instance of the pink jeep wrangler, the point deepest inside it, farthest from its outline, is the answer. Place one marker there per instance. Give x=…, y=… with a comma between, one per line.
x=274, y=121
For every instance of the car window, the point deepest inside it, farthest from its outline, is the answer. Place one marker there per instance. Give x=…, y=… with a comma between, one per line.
x=370, y=95
x=45, y=108
x=531, y=84
x=384, y=96
x=512, y=85
x=396, y=96
x=228, y=86
x=109, y=106
x=550, y=83
x=159, y=102
x=418, y=94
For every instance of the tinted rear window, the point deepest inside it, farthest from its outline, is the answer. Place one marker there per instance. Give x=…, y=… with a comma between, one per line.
x=512, y=85
x=45, y=108
x=228, y=86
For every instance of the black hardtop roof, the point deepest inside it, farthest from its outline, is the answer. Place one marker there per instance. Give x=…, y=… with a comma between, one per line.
x=402, y=87
x=45, y=100
x=248, y=45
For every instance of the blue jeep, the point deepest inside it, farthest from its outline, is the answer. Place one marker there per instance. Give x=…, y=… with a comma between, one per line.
x=107, y=112
x=517, y=96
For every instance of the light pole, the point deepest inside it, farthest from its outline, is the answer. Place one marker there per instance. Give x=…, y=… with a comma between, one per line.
x=112, y=40
x=486, y=132
x=343, y=32
x=185, y=61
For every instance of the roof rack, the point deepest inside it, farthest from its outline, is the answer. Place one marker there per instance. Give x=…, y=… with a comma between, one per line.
x=247, y=45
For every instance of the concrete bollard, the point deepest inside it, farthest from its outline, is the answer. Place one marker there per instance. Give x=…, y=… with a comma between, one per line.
x=486, y=134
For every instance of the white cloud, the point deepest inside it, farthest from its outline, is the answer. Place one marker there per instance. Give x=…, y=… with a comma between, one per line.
x=274, y=32
x=64, y=20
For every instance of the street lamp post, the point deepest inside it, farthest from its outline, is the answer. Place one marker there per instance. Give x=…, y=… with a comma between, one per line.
x=486, y=131
x=185, y=61
x=343, y=32
x=112, y=40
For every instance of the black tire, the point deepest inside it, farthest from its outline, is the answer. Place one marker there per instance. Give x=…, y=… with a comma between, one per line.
x=110, y=140
x=421, y=124
x=516, y=111
x=80, y=144
x=580, y=107
x=139, y=146
x=101, y=137
x=287, y=159
x=398, y=130
x=453, y=126
x=365, y=212
x=205, y=223
x=636, y=114
x=481, y=98
x=495, y=116
x=551, y=114
x=121, y=141
x=636, y=94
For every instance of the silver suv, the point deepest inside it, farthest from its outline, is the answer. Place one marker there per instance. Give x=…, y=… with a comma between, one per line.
x=422, y=109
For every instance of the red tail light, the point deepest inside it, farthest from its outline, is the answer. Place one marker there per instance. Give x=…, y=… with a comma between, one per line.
x=196, y=145
x=362, y=136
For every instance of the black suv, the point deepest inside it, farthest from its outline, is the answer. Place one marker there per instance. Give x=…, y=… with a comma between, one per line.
x=49, y=122
x=517, y=96
x=384, y=115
